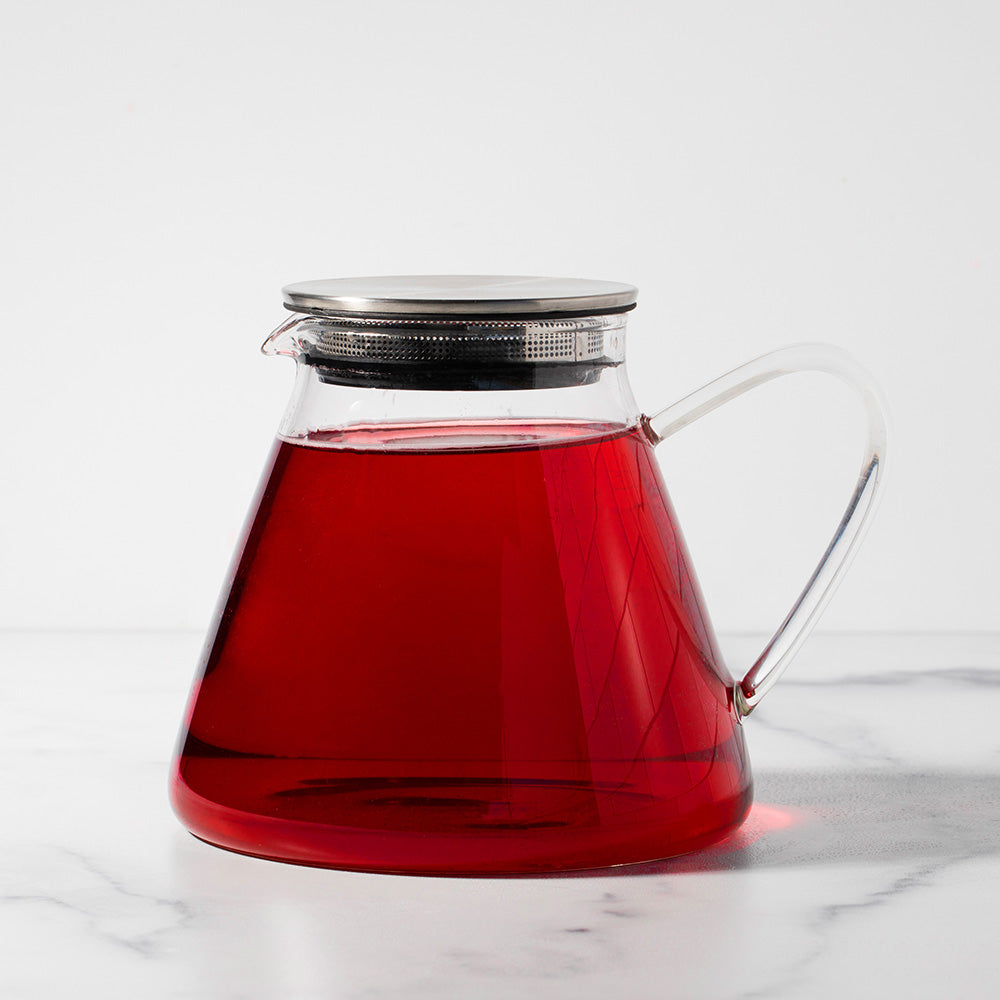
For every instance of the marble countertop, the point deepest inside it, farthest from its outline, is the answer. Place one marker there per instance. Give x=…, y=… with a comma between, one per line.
x=870, y=864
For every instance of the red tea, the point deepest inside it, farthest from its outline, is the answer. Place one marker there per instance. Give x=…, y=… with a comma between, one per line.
x=463, y=659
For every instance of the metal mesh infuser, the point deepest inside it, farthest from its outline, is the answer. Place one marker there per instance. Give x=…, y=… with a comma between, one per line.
x=460, y=332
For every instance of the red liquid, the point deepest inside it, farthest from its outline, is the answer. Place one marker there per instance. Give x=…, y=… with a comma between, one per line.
x=458, y=661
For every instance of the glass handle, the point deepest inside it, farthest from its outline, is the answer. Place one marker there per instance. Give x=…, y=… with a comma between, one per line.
x=799, y=622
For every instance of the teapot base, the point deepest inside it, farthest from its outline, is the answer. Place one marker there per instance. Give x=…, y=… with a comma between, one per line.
x=469, y=849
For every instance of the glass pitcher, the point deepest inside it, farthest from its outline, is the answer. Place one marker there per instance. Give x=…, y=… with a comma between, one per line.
x=462, y=634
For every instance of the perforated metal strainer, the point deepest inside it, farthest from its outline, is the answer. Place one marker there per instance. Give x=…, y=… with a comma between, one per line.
x=461, y=332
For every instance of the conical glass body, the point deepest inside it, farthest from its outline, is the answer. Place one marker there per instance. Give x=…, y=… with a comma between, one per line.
x=462, y=646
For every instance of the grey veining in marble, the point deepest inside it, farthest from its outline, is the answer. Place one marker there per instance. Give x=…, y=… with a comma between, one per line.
x=868, y=866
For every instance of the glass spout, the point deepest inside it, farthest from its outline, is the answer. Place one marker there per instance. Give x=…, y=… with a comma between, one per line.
x=283, y=341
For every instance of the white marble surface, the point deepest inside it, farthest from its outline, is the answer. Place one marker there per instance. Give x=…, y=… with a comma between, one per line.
x=870, y=865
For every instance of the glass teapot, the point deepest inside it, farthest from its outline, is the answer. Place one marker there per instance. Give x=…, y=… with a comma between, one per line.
x=462, y=634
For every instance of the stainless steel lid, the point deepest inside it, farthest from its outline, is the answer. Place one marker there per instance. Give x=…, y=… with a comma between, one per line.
x=452, y=297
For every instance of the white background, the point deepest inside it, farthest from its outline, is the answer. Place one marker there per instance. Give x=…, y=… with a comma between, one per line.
x=764, y=172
